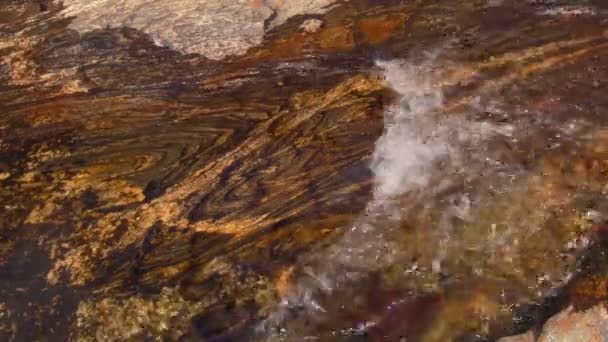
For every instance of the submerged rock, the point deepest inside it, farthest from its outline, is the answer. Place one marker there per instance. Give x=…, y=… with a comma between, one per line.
x=526, y=337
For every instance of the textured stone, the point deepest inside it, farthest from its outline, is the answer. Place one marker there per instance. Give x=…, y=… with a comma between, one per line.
x=149, y=187
x=213, y=28
x=571, y=326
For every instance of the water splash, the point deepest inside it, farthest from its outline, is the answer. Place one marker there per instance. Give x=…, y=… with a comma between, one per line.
x=423, y=151
x=569, y=11
x=404, y=155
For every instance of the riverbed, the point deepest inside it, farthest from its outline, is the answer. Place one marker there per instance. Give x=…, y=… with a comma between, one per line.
x=363, y=170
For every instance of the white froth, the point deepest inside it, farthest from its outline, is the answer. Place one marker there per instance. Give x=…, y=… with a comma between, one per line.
x=420, y=140
x=568, y=11
x=406, y=151
x=418, y=153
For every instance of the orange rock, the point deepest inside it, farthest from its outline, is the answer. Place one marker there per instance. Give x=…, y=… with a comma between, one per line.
x=336, y=38
x=282, y=281
x=377, y=30
x=339, y=38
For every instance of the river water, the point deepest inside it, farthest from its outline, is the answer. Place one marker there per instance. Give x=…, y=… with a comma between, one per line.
x=299, y=170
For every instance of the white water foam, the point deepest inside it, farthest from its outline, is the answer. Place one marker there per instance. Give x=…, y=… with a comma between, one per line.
x=422, y=151
x=569, y=11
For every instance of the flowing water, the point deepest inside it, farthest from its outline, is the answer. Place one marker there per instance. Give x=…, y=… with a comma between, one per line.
x=363, y=170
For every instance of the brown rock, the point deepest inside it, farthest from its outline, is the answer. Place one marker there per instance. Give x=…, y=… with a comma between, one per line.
x=379, y=29
x=588, y=291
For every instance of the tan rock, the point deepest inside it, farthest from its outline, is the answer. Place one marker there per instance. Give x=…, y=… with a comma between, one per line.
x=571, y=326
x=213, y=28
x=527, y=337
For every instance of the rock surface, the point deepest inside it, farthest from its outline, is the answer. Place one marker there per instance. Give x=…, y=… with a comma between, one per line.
x=213, y=28
x=446, y=159
x=311, y=25
x=590, y=325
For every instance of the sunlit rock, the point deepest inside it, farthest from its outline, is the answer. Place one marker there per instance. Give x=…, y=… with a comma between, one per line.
x=571, y=326
x=214, y=28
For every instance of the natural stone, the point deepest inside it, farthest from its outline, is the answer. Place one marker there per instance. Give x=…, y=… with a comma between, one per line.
x=570, y=326
x=213, y=28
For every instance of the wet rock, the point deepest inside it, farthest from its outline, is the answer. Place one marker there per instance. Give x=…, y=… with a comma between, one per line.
x=112, y=319
x=276, y=174
x=394, y=316
x=468, y=39
x=89, y=199
x=588, y=291
x=379, y=29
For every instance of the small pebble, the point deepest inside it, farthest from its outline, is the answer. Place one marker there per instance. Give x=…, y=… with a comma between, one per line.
x=311, y=25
